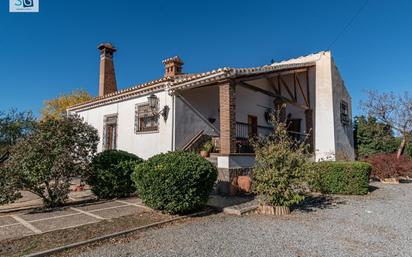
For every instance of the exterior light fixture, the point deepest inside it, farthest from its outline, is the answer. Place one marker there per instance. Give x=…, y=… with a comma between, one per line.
x=153, y=100
x=153, y=103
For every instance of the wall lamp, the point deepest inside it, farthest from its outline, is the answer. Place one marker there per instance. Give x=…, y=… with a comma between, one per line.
x=153, y=104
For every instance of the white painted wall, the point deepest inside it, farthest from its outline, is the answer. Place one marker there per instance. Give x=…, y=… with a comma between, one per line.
x=236, y=161
x=189, y=121
x=324, y=120
x=144, y=144
x=249, y=102
x=344, y=148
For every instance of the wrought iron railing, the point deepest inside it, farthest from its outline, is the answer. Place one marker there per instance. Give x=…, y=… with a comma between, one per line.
x=243, y=135
x=298, y=137
x=243, y=130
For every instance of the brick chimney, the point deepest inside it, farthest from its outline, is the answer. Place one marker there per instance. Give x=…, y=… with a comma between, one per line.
x=107, y=79
x=173, y=66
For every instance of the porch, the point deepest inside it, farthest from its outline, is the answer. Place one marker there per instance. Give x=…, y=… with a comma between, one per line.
x=233, y=112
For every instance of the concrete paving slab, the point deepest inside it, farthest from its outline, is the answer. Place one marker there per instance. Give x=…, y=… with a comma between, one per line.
x=21, y=223
x=14, y=231
x=119, y=211
x=92, y=207
x=63, y=222
x=7, y=220
x=46, y=215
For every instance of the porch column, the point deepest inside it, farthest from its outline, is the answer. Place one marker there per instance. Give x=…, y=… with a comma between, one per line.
x=309, y=127
x=227, y=102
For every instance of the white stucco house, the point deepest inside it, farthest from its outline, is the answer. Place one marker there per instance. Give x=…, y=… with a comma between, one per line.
x=228, y=104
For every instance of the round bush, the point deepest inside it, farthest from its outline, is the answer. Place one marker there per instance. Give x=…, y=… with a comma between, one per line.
x=175, y=182
x=110, y=174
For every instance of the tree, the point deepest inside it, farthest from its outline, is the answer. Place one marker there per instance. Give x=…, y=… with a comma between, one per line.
x=280, y=167
x=373, y=137
x=13, y=125
x=56, y=108
x=9, y=186
x=408, y=148
x=393, y=110
x=46, y=160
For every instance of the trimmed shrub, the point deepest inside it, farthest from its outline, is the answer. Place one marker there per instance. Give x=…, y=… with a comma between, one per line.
x=351, y=178
x=388, y=166
x=110, y=176
x=175, y=182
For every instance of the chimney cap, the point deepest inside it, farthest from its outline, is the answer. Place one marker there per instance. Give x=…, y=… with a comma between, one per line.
x=106, y=45
x=176, y=59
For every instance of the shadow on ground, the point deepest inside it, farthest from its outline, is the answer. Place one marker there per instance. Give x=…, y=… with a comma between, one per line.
x=313, y=203
x=372, y=188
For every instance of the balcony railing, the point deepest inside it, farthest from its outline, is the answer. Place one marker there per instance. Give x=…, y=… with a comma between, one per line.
x=243, y=130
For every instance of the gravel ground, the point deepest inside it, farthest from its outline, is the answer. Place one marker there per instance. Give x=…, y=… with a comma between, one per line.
x=379, y=224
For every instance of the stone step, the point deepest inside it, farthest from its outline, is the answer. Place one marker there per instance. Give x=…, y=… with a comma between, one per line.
x=241, y=209
x=233, y=205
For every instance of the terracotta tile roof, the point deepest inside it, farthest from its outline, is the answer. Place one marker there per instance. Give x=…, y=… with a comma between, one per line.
x=187, y=80
x=227, y=73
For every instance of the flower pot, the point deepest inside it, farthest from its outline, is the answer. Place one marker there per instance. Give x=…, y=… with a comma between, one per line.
x=274, y=210
x=244, y=183
x=204, y=154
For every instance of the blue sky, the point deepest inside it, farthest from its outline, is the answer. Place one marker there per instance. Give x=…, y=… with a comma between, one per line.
x=54, y=51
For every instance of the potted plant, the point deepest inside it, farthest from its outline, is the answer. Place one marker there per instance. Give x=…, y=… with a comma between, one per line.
x=206, y=149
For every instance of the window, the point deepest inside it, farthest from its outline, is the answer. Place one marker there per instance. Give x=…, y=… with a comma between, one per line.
x=109, y=132
x=145, y=119
x=344, y=113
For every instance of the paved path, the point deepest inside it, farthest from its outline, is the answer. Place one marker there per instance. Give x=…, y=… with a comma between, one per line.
x=18, y=224
x=379, y=224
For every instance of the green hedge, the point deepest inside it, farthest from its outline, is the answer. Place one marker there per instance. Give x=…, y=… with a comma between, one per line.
x=110, y=175
x=340, y=177
x=175, y=182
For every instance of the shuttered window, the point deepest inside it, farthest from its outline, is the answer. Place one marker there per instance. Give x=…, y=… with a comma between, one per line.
x=110, y=132
x=344, y=113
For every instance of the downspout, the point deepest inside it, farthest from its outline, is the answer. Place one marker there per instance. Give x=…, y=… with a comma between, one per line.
x=173, y=122
x=172, y=111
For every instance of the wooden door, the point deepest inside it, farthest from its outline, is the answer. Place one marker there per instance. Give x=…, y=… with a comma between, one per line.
x=252, y=126
x=110, y=137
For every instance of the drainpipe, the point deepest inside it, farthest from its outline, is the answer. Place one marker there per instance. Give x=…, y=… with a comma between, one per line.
x=173, y=111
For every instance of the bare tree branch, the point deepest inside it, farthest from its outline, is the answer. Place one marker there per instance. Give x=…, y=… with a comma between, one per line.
x=392, y=109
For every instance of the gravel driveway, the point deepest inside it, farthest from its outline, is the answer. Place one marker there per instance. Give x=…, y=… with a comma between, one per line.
x=379, y=224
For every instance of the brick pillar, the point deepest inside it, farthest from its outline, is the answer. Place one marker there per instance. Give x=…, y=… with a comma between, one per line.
x=309, y=127
x=227, y=101
x=107, y=79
